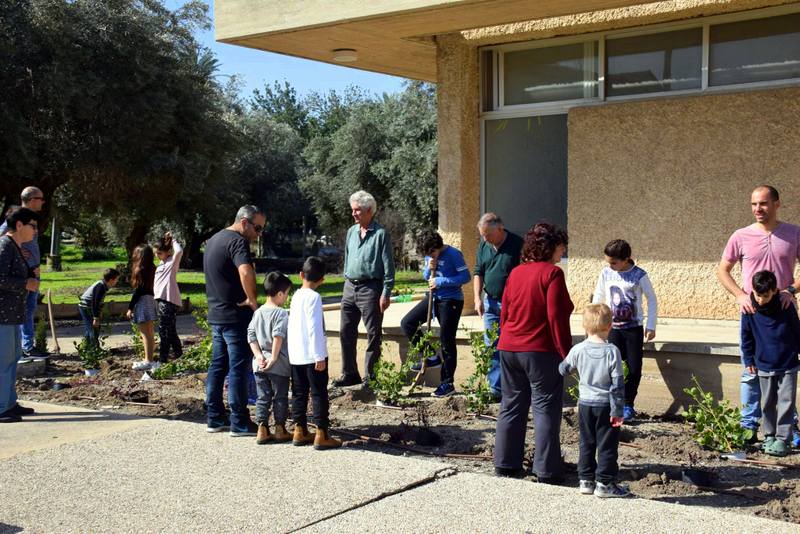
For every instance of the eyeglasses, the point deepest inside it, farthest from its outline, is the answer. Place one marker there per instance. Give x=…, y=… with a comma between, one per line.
x=257, y=227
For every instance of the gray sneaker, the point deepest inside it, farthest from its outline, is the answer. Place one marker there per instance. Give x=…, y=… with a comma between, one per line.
x=611, y=490
x=587, y=487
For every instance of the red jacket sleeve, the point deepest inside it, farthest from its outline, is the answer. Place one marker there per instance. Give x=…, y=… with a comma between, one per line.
x=559, y=308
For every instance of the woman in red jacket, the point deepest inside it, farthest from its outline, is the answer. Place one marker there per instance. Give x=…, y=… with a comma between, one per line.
x=534, y=338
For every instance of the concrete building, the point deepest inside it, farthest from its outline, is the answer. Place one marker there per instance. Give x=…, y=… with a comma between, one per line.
x=648, y=121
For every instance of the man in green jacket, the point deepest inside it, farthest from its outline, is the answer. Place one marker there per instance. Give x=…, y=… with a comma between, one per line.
x=369, y=278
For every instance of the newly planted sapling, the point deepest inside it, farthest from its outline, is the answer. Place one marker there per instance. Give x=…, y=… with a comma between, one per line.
x=40, y=335
x=91, y=353
x=716, y=424
x=196, y=358
x=426, y=346
x=477, y=385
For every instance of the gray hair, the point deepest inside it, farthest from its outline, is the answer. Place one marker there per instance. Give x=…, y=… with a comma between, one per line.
x=248, y=211
x=364, y=201
x=29, y=192
x=489, y=220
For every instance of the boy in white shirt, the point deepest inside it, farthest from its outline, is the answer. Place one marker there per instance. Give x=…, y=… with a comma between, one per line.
x=308, y=355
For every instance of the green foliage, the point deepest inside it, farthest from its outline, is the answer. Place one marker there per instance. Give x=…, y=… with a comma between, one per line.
x=477, y=385
x=716, y=424
x=91, y=353
x=388, y=382
x=196, y=358
x=136, y=342
x=40, y=335
x=426, y=346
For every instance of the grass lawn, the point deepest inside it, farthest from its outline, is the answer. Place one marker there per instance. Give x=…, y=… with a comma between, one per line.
x=77, y=274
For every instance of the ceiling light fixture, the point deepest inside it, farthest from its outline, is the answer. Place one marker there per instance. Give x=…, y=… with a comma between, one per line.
x=345, y=55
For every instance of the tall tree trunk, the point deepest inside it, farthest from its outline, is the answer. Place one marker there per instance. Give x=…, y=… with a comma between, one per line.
x=137, y=236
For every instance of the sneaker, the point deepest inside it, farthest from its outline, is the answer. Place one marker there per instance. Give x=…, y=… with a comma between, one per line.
x=22, y=410
x=141, y=366
x=155, y=365
x=587, y=487
x=433, y=361
x=628, y=413
x=346, y=380
x=251, y=430
x=796, y=439
x=444, y=389
x=778, y=447
x=508, y=472
x=214, y=429
x=365, y=386
x=605, y=491
x=9, y=417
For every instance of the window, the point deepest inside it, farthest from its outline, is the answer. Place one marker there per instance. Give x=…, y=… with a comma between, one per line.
x=755, y=50
x=549, y=74
x=654, y=63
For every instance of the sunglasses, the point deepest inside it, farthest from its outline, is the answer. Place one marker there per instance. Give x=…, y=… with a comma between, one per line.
x=257, y=227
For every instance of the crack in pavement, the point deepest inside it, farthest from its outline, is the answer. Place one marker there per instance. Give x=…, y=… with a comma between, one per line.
x=438, y=475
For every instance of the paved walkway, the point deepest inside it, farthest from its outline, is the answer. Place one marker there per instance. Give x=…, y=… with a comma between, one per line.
x=74, y=470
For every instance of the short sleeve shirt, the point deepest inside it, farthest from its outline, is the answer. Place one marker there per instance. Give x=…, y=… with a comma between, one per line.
x=224, y=253
x=758, y=250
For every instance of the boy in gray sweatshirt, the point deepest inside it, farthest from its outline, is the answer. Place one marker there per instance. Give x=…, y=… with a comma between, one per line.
x=602, y=397
x=267, y=337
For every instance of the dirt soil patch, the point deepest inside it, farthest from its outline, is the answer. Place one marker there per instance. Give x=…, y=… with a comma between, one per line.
x=652, y=457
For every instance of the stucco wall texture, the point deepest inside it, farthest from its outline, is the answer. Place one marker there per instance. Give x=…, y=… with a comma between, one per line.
x=673, y=177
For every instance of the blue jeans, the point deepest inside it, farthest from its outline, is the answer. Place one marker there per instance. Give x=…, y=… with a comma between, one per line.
x=10, y=353
x=88, y=328
x=491, y=316
x=26, y=328
x=750, y=393
x=232, y=358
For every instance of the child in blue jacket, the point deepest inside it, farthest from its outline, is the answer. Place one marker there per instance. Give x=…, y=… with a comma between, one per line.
x=770, y=343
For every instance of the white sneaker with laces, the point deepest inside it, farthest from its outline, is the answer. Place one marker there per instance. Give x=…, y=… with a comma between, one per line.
x=141, y=366
x=587, y=487
x=605, y=491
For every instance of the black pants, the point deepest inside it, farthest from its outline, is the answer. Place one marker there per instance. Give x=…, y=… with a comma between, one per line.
x=597, y=436
x=530, y=379
x=167, y=333
x=305, y=379
x=630, y=343
x=360, y=301
x=448, y=313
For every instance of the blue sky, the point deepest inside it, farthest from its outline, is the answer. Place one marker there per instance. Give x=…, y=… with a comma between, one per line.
x=255, y=67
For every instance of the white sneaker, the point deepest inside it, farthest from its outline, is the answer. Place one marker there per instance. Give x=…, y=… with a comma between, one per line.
x=145, y=377
x=587, y=487
x=155, y=365
x=141, y=366
x=611, y=490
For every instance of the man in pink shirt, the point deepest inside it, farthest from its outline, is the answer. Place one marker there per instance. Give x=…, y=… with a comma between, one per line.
x=768, y=244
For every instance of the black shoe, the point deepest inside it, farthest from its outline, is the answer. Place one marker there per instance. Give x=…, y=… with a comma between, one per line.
x=9, y=417
x=365, y=386
x=21, y=410
x=251, y=430
x=556, y=481
x=509, y=473
x=346, y=380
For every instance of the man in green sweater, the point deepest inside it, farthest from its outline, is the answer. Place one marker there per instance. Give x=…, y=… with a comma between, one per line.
x=369, y=279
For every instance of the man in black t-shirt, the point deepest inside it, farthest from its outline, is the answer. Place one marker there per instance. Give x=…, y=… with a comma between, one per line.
x=231, y=290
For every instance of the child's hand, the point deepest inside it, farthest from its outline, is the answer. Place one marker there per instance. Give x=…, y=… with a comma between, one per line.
x=269, y=364
x=262, y=363
x=129, y=314
x=649, y=335
x=320, y=366
x=752, y=369
x=616, y=422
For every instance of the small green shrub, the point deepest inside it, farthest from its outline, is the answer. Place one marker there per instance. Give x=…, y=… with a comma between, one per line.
x=426, y=346
x=388, y=382
x=91, y=353
x=477, y=385
x=196, y=358
x=716, y=424
x=136, y=342
x=40, y=335
x=99, y=254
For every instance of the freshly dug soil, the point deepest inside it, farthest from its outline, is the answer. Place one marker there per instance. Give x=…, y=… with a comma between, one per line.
x=652, y=455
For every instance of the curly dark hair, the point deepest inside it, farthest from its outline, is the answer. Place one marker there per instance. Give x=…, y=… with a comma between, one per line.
x=541, y=242
x=428, y=241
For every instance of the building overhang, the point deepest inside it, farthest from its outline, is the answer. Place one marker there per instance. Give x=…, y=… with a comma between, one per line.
x=388, y=36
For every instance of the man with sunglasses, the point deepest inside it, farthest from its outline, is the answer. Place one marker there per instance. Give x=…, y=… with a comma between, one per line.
x=231, y=290
x=33, y=199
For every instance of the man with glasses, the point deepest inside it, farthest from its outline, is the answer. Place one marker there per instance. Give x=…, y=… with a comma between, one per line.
x=231, y=290
x=33, y=199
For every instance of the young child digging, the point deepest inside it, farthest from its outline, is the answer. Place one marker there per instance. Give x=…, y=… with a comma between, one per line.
x=308, y=354
x=770, y=342
x=600, y=405
x=267, y=335
x=621, y=285
x=90, y=304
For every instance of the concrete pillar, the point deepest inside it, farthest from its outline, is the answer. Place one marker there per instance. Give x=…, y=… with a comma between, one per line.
x=459, y=147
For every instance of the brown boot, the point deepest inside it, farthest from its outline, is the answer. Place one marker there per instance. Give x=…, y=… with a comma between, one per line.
x=263, y=436
x=323, y=441
x=302, y=436
x=281, y=434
